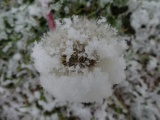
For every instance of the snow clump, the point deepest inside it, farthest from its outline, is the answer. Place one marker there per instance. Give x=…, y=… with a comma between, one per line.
x=81, y=60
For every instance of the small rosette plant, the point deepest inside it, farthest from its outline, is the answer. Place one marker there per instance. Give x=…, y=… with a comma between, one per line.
x=80, y=60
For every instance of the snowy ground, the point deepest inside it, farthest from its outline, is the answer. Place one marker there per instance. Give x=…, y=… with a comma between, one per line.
x=137, y=98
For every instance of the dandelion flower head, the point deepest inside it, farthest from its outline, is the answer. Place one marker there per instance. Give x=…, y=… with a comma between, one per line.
x=81, y=60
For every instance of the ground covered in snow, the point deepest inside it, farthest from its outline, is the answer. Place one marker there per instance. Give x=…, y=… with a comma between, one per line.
x=136, y=98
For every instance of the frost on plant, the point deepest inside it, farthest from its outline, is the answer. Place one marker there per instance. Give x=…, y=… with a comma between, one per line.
x=81, y=60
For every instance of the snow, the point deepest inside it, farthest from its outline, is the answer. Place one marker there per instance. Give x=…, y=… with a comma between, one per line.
x=78, y=82
x=22, y=96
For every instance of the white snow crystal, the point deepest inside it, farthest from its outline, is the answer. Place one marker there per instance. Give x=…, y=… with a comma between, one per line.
x=139, y=18
x=80, y=111
x=80, y=61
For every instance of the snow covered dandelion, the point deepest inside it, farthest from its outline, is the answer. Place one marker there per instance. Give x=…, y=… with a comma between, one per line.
x=80, y=61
